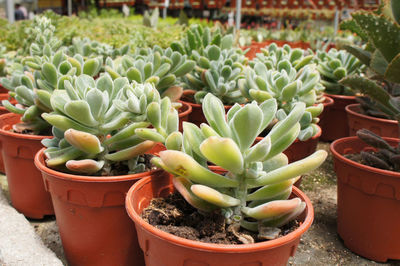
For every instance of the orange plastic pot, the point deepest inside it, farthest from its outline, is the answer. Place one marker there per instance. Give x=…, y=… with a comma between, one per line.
x=25, y=182
x=3, y=110
x=328, y=102
x=382, y=127
x=91, y=216
x=161, y=248
x=368, y=203
x=196, y=116
x=184, y=113
x=334, y=122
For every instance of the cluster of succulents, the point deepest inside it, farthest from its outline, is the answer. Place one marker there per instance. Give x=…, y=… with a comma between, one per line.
x=335, y=65
x=162, y=67
x=290, y=77
x=97, y=124
x=254, y=193
x=90, y=48
x=217, y=71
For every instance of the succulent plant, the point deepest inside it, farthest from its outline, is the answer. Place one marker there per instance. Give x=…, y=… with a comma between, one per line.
x=163, y=67
x=33, y=90
x=99, y=125
x=218, y=72
x=197, y=38
x=89, y=48
x=382, y=56
x=151, y=20
x=254, y=193
x=272, y=55
x=335, y=65
x=387, y=157
x=288, y=86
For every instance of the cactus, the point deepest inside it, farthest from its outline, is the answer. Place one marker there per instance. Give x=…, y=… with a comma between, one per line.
x=335, y=65
x=104, y=123
x=89, y=48
x=162, y=67
x=288, y=86
x=218, y=72
x=254, y=192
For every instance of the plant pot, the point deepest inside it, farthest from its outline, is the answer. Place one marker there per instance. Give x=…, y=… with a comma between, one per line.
x=184, y=113
x=25, y=182
x=380, y=126
x=368, y=203
x=196, y=116
x=161, y=248
x=3, y=90
x=3, y=110
x=328, y=102
x=334, y=122
x=91, y=216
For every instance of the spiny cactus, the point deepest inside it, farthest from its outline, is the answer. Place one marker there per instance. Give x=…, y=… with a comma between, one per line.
x=288, y=87
x=103, y=123
x=161, y=67
x=335, y=65
x=382, y=56
x=254, y=193
x=89, y=48
x=197, y=38
x=218, y=72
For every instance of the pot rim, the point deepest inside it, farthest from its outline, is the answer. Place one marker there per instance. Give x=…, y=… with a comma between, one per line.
x=328, y=101
x=338, y=96
x=40, y=164
x=340, y=157
x=19, y=135
x=351, y=109
x=210, y=247
x=187, y=111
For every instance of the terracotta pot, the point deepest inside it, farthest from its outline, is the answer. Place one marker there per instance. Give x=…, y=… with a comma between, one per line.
x=161, y=248
x=3, y=90
x=380, y=126
x=25, y=182
x=196, y=116
x=3, y=110
x=91, y=216
x=184, y=113
x=368, y=204
x=328, y=102
x=334, y=122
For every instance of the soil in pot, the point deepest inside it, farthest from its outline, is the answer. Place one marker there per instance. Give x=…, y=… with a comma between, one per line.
x=27, y=191
x=175, y=216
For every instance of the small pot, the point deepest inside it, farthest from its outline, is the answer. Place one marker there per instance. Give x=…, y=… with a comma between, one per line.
x=25, y=182
x=196, y=116
x=334, y=122
x=184, y=113
x=161, y=248
x=368, y=203
x=91, y=216
x=380, y=126
x=328, y=102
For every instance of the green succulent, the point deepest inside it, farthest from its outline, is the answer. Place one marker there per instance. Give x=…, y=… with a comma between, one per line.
x=103, y=123
x=335, y=65
x=163, y=67
x=288, y=87
x=89, y=48
x=254, y=193
x=218, y=72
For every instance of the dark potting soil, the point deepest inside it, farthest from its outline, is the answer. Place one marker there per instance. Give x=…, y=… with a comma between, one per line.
x=175, y=216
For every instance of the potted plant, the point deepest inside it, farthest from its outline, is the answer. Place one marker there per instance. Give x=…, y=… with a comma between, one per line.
x=101, y=133
x=367, y=168
x=23, y=129
x=286, y=75
x=253, y=195
x=333, y=66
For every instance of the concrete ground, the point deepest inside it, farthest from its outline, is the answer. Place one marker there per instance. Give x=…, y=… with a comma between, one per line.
x=319, y=246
